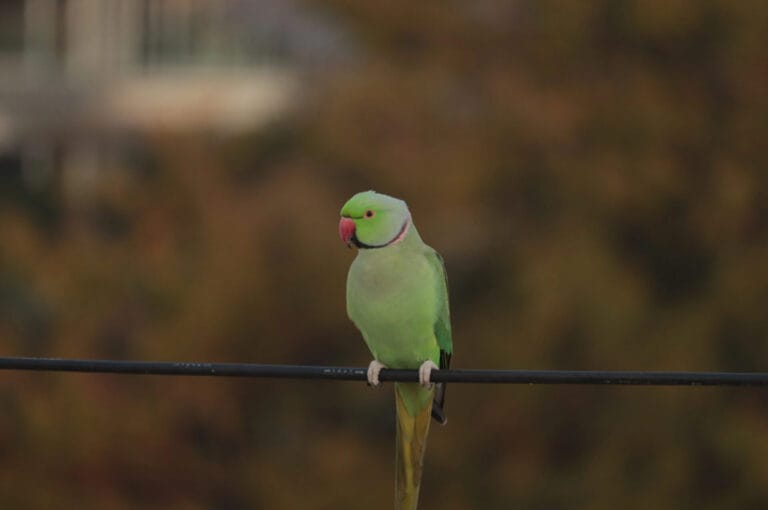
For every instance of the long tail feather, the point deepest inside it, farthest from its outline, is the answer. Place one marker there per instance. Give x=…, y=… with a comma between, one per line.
x=411, y=444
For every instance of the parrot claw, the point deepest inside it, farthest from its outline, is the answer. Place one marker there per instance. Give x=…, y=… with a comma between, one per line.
x=425, y=371
x=373, y=372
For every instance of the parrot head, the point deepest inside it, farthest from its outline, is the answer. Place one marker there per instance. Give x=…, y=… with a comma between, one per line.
x=373, y=220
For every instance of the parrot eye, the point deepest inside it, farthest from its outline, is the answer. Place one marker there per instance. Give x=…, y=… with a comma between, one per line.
x=369, y=213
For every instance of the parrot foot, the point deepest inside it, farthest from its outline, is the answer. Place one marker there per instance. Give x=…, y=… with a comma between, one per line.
x=425, y=371
x=373, y=372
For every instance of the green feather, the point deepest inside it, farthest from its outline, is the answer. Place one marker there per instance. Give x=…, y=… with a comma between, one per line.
x=443, y=320
x=397, y=296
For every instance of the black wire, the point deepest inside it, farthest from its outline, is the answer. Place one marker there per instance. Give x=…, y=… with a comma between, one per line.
x=601, y=377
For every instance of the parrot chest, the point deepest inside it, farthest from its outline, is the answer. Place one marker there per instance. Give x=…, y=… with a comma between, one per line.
x=391, y=298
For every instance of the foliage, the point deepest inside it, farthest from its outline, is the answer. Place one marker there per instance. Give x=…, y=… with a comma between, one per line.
x=593, y=173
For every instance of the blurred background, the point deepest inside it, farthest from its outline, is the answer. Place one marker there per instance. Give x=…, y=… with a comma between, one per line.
x=594, y=174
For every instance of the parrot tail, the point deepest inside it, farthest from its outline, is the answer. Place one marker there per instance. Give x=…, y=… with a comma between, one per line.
x=411, y=444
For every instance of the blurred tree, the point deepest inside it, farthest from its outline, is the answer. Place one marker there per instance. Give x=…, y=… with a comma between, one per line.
x=593, y=174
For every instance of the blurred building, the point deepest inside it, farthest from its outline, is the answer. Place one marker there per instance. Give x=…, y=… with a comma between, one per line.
x=81, y=78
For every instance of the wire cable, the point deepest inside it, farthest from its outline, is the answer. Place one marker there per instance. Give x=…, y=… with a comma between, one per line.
x=582, y=377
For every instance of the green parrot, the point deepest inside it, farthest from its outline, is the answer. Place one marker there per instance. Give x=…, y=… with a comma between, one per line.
x=397, y=296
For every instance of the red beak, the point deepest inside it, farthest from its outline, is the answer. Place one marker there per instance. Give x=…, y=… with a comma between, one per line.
x=346, y=231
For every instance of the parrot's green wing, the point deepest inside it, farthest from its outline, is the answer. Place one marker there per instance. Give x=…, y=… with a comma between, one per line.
x=443, y=322
x=442, y=330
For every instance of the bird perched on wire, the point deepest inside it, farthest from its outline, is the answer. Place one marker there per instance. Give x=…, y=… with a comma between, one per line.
x=397, y=296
